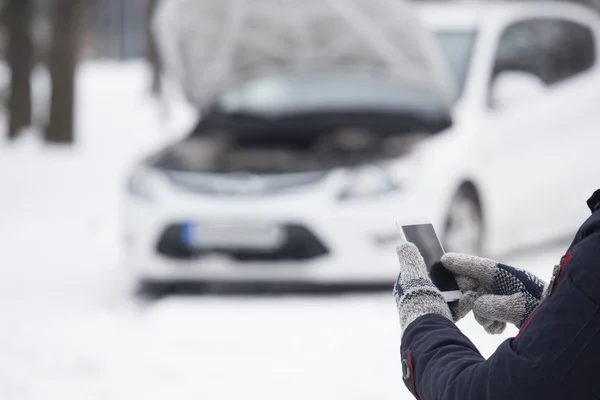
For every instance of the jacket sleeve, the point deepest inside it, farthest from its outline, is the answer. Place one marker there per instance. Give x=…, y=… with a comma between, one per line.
x=442, y=363
x=555, y=356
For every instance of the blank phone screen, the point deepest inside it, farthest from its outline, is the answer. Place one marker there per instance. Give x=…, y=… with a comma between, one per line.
x=424, y=237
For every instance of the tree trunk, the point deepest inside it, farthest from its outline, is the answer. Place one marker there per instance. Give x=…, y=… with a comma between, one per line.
x=63, y=61
x=20, y=55
x=152, y=50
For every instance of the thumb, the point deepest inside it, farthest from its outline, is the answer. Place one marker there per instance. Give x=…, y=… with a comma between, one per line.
x=500, y=308
x=411, y=261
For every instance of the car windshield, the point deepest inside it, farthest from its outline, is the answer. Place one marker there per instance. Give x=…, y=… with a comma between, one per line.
x=312, y=94
x=457, y=47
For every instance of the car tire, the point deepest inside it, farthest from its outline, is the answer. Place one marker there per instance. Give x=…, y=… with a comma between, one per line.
x=464, y=227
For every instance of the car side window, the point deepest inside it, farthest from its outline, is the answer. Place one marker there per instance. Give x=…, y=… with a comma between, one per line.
x=552, y=49
x=519, y=50
x=568, y=48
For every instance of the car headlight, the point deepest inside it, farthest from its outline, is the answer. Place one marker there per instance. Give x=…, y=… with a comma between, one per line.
x=138, y=184
x=369, y=181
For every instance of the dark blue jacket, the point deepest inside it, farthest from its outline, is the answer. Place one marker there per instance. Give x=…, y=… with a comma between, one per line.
x=556, y=355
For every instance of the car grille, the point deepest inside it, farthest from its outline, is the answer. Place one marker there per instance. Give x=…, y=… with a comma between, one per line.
x=242, y=184
x=300, y=244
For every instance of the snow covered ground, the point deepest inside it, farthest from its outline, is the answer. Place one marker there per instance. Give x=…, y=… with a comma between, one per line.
x=69, y=331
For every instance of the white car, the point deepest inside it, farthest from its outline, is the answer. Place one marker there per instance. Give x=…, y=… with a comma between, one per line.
x=519, y=161
x=302, y=178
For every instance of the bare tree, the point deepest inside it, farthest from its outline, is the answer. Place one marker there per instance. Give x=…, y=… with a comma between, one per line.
x=152, y=50
x=63, y=61
x=17, y=16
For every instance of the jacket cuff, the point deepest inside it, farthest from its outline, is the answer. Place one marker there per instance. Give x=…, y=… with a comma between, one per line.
x=407, y=357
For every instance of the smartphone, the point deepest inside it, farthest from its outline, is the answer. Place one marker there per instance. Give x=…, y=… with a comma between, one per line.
x=424, y=237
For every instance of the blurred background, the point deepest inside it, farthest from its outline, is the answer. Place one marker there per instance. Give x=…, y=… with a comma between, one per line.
x=198, y=198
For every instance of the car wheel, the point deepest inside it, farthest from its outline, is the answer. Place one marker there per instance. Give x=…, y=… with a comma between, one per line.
x=464, y=223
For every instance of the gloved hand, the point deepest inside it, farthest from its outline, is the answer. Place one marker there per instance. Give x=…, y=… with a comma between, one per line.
x=416, y=295
x=505, y=294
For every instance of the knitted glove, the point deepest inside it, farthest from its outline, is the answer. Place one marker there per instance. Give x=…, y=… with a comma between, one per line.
x=470, y=287
x=416, y=295
x=506, y=294
x=464, y=305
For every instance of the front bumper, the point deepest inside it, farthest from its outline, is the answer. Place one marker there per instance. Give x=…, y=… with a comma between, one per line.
x=354, y=241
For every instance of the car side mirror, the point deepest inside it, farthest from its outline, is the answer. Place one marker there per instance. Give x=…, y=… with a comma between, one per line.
x=515, y=87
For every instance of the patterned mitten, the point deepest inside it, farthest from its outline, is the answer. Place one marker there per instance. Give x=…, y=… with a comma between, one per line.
x=415, y=294
x=505, y=294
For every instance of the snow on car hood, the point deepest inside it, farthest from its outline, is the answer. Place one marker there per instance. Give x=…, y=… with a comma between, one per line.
x=210, y=45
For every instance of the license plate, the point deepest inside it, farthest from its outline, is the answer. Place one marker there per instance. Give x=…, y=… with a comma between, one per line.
x=233, y=236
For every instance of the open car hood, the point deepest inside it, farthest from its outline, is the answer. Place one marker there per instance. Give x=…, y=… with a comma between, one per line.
x=307, y=124
x=209, y=46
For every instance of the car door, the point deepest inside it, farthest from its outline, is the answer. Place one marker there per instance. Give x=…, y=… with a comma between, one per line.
x=570, y=62
x=537, y=151
x=512, y=137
